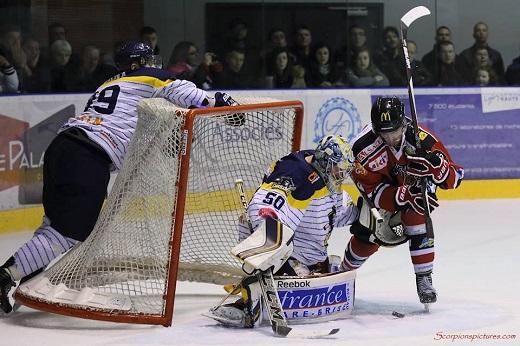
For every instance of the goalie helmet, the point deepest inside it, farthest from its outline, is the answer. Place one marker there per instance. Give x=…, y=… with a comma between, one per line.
x=334, y=159
x=387, y=114
x=135, y=52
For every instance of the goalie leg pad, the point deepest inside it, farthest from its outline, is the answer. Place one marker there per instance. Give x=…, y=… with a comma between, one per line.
x=269, y=246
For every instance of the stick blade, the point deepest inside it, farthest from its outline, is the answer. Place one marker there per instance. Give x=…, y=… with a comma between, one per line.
x=414, y=14
x=308, y=334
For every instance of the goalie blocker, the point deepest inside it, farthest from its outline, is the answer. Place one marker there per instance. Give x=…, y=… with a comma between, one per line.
x=308, y=299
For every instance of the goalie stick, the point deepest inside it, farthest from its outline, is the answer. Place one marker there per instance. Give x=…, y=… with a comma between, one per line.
x=270, y=293
x=407, y=20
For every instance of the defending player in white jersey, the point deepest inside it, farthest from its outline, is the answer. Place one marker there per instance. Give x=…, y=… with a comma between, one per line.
x=302, y=191
x=389, y=171
x=79, y=160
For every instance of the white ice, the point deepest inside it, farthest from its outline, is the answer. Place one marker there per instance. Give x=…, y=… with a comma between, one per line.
x=476, y=275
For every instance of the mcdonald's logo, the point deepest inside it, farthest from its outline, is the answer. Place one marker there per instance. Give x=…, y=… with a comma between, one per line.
x=385, y=116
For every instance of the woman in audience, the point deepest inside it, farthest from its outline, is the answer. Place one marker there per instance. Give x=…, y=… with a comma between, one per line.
x=279, y=72
x=364, y=73
x=322, y=72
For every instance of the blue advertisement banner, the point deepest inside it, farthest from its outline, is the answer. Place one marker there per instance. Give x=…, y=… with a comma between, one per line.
x=484, y=140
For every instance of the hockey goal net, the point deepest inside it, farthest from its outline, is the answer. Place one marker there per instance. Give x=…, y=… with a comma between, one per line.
x=172, y=213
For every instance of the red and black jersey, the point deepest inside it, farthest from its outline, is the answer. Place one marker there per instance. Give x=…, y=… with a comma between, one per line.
x=381, y=168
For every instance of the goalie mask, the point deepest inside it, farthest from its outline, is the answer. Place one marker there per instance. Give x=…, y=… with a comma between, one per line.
x=134, y=54
x=334, y=160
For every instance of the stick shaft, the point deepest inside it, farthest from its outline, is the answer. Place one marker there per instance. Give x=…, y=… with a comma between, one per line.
x=413, y=111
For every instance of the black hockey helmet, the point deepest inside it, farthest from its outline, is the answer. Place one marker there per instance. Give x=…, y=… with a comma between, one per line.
x=135, y=52
x=387, y=114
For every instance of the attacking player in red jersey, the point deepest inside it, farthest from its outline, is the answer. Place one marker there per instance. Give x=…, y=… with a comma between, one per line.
x=389, y=170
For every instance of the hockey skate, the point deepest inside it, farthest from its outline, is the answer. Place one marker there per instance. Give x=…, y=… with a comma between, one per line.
x=6, y=283
x=425, y=290
x=236, y=315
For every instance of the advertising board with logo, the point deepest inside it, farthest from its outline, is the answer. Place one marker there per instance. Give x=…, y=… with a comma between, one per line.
x=322, y=297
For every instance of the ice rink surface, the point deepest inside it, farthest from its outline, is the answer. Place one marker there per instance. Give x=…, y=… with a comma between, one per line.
x=476, y=275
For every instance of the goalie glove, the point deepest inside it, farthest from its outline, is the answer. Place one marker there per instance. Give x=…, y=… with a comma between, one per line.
x=410, y=197
x=225, y=100
x=430, y=165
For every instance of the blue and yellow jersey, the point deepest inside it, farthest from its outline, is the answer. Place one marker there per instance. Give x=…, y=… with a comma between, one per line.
x=294, y=190
x=110, y=116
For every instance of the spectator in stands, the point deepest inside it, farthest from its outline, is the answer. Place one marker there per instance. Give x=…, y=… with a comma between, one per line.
x=36, y=76
x=149, y=35
x=431, y=59
x=302, y=48
x=184, y=63
x=8, y=76
x=364, y=73
x=299, y=76
x=277, y=39
x=56, y=32
x=322, y=72
x=448, y=72
x=183, y=59
x=89, y=73
x=513, y=72
x=60, y=53
x=356, y=40
x=421, y=76
x=481, y=34
x=237, y=36
x=483, y=78
x=390, y=58
x=11, y=43
x=233, y=76
x=279, y=71
x=238, y=40
x=482, y=62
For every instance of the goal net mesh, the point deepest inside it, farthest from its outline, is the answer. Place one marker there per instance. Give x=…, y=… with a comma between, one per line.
x=124, y=264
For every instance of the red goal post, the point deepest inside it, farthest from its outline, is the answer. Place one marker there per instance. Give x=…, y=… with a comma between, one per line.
x=172, y=213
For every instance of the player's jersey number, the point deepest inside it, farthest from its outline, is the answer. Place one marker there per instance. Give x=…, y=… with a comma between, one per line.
x=274, y=199
x=104, y=101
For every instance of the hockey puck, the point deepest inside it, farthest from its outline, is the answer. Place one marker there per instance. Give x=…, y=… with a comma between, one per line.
x=397, y=314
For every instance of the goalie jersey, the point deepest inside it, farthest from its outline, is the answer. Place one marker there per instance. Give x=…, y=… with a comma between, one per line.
x=293, y=190
x=110, y=116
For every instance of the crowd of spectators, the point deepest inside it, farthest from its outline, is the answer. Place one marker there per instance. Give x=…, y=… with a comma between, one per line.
x=241, y=63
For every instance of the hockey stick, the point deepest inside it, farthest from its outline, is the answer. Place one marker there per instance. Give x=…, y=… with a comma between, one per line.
x=270, y=293
x=407, y=20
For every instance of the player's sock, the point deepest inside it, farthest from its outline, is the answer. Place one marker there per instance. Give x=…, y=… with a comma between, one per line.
x=45, y=245
x=356, y=253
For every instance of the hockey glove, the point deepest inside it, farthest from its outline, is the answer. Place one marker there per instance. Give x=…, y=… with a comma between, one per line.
x=410, y=197
x=225, y=100
x=431, y=165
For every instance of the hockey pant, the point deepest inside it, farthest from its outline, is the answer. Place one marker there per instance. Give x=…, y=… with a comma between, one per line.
x=421, y=246
x=75, y=180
